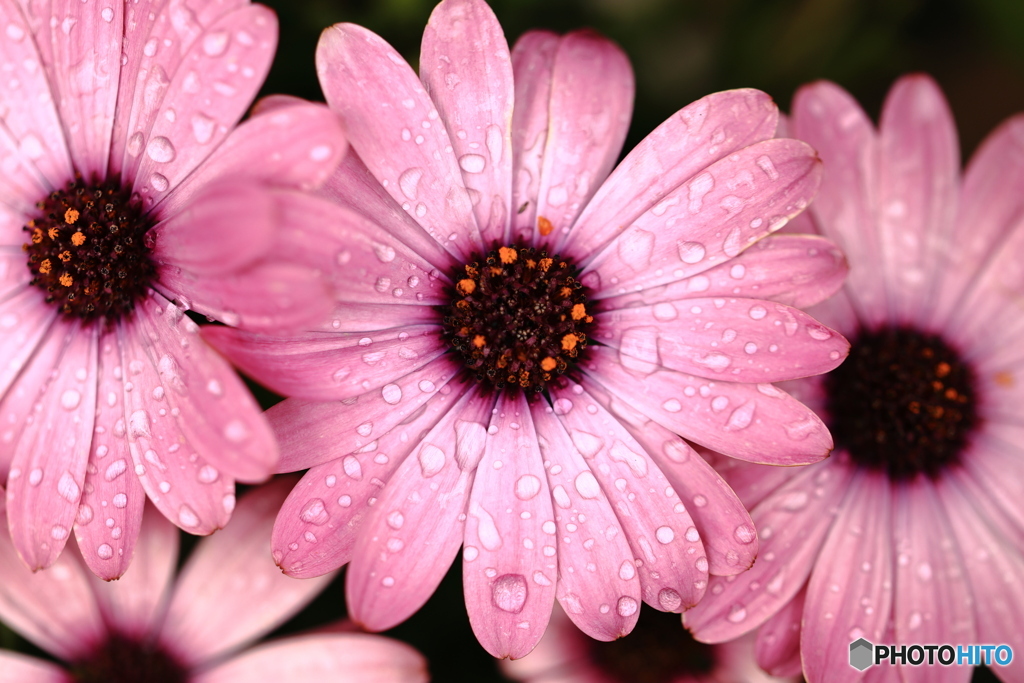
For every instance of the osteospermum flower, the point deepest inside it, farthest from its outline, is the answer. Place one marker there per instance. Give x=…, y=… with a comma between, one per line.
x=912, y=532
x=523, y=335
x=126, y=198
x=155, y=625
x=657, y=651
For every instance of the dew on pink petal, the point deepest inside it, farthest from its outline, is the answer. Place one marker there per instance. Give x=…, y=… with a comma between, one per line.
x=509, y=593
x=431, y=459
x=104, y=551
x=527, y=486
x=314, y=512
x=626, y=606
x=745, y=533
x=669, y=599
x=187, y=516
x=586, y=485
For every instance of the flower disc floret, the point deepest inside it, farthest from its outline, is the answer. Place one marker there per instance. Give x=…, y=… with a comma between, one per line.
x=87, y=250
x=519, y=317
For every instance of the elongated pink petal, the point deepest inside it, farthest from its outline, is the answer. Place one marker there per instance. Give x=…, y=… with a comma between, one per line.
x=349, y=657
x=598, y=573
x=21, y=183
x=710, y=218
x=312, y=432
x=671, y=562
x=50, y=457
x=369, y=318
x=680, y=148
x=778, y=640
x=33, y=321
x=757, y=423
x=320, y=520
x=467, y=71
x=828, y=118
x=792, y=524
x=509, y=576
x=55, y=608
x=795, y=270
x=748, y=341
x=591, y=101
x=35, y=131
x=210, y=90
x=398, y=141
x=20, y=668
x=231, y=592
x=413, y=532
x=533, y=58
x=857, y=556
x=329, y=367
x=134, y=603
x=933, y=601
x=993, y=468
x=85, y=71
x=296, y=145
x=110, y=513
x=750, y=481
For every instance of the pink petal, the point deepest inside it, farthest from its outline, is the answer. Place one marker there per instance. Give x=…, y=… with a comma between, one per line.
x=85, y=71
x=684, y=145
x=750, y=481
x=757, y=423
x=718, y=515
x=29, y=319
x=932, y=597
x=507, y=576
x=467, y=71
x=133, y=605
x=402, y=143
x=295, y=145
x=413, y=532
x=533, y=58
x=55, y=608
x=20, y=668
x=828, y=118
x=778, y=640
x=35, y=131
x=989, y=211
x=795, y=270
x=326, y=367
x=596, y=569
x=110, y=513
x=792, y=524
x=993, y=468
x=241, y=218
x=49, y=462
x=314, y=432
x=857, y=557
x=349, y=317
x=671, y=562
x=591, y=101
x=748, y=341
x=710, y=218
x=349, y=657
x=210, y=90
x=230, y=592
x=319, y=522
x=148, y=66
x=20, y=185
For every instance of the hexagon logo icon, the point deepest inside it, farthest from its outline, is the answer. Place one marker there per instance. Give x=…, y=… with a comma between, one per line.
x=861, y=654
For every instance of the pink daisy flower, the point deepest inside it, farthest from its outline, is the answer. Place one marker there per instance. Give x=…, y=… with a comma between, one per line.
x=525, y=332
x=126, y=198
x=154, y=625
x=657, y=651
x=912, y=531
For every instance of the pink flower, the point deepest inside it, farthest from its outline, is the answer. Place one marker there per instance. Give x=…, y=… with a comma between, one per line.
x=127, y=198
x=658, y=651
x=912, y=532
x=523, y=335
x=152, y=625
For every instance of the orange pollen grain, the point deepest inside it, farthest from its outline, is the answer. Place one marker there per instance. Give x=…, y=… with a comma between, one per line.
x=544, y=226
x=66, y=280
x=53, y=232
x=952, y=394
x=466, y=286
x=579, y=311
x=37, y=236
x=565, y=292
x=479, y=341
x=64, y=256
x=78, y=239
x=569, y=342
x=1004, y=379
x=545, y=263
x=70, y=216
x=45, y=266
x=508, y=255
x=548, y=364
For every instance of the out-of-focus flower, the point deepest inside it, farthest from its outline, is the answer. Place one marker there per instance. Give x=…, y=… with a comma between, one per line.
x=912, y=531
x=154, y=626
x=657, y=651
x=524, y=335
x=127, y=197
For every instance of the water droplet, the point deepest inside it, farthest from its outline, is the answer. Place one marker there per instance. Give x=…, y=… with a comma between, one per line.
x=691, y=252
x=486, y=530
x=509, y=593
x=665, y=534
x=202, y=128
x=472, y=163
x=395, y=519
x=431, y=459
x=352, y=467
x=160, y=150
x=187, y=517
x=236, y=431
x=915, y=620
x=794, y=501
x=58, y=532
x=104, y=551
x=586, y=485
x=627, y=570
x=626, y=606
x=745, y=533
x=737, y=614
x=757, y=312
x=364, y=429
x=391, y=393
x=672, y=405
x=527, y=487
x=159, y=182
x=741, y=417
x=67, y=487
x=669, y=599
x=214, y=44
x=315, y=512
x=120, y=500
x=207, y=474
x=409, y=182
x=384, y=252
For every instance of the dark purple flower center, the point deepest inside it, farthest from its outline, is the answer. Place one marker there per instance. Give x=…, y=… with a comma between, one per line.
x=904, y=402
x=658, y=650
x=123, y=659
x=518, y=317
x=86, y=250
